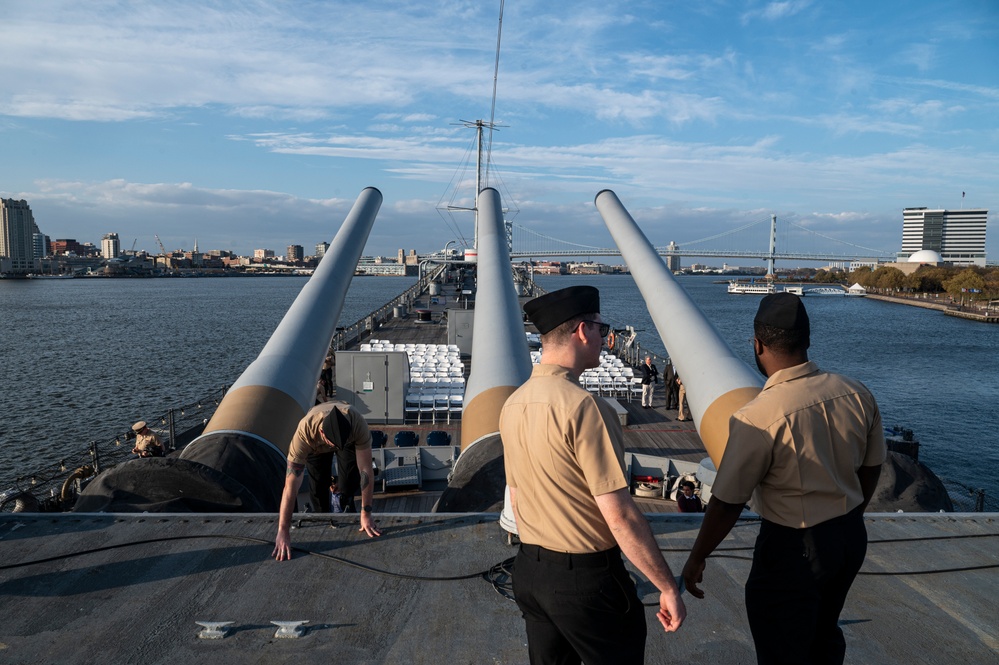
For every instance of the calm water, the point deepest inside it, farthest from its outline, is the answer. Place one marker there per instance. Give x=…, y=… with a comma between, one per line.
x=83, y=358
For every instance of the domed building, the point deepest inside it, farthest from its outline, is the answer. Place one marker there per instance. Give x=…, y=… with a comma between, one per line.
x=925, y=256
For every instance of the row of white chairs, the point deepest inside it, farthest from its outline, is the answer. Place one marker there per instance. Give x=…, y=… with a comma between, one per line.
x=616, y=386
x=431, y=383
x=611, y=379
x=427, y=362
x=387, y=345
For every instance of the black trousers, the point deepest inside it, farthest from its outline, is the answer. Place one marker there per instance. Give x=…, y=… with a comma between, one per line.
x=579, y=608
x=672, y=393
x=320, y=468
x=797, y=587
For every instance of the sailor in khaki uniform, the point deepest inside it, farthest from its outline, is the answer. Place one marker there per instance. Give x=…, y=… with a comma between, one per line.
x=808, y=452
x=564, y=459
x=147, y=443
x=331, y=428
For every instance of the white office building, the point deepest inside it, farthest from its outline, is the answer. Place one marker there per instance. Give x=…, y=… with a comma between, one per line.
x=17, y=231
x=110, y=246
x=957, y=235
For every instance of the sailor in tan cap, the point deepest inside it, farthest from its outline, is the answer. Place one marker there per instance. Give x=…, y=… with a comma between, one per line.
x=147, y=444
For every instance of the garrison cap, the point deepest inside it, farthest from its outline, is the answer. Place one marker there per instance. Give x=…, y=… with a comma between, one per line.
x=549, y=311
x=783, y=310
x=331, y=427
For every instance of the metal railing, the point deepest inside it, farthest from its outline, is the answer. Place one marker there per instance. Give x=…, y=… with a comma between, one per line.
x=367, y=324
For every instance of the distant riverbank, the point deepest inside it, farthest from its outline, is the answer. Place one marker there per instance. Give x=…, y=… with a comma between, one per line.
x=947, y=307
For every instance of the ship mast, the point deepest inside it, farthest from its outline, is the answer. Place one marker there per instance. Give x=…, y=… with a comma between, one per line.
x=482, y=165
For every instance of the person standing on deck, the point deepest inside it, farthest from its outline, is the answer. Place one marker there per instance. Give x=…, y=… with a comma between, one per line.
x=650, y=377
x=328, y=429
x=808, y=450
x=574, y=531
x=327, y=374
x=681, y=399
x=669, y=385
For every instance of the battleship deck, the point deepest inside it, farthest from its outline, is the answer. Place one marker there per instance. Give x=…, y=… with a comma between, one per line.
x=137, y=601
x=649, y=431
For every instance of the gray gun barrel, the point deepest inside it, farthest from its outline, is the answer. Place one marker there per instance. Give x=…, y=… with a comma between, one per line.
x=717, y=382
x=238, y=463
x=277, y=388
x=501, y=361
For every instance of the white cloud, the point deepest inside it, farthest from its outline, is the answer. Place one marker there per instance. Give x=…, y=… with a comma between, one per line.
x=775, y=11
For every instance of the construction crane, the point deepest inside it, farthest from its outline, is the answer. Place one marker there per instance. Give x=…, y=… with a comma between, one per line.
x=160, y=243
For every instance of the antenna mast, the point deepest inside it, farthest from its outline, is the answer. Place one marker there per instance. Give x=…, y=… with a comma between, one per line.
x=481, y=182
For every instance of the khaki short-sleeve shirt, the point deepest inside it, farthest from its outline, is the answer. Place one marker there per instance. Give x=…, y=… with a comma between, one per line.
x=308, y=439
x=148, y=443
x=796, y=448
x=562, y=447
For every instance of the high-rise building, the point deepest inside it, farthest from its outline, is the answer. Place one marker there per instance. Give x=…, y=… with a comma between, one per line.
x=672, y=258
x=41, y=243
x=321, y=248
x=17, y=230
x=263, y=254
x=295, y=253
x=110, y=246
x=957, y=235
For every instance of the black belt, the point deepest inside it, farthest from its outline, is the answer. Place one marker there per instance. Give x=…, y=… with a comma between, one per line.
x=572, y=560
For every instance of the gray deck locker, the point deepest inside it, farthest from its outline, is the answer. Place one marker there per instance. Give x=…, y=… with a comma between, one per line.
x=375, y=383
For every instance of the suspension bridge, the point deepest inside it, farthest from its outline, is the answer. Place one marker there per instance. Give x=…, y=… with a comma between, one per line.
x=766, y=239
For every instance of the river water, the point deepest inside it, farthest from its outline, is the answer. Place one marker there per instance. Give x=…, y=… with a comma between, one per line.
x=84, y=358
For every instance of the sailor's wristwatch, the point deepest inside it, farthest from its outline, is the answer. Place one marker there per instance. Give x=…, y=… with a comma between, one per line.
x=366, y=509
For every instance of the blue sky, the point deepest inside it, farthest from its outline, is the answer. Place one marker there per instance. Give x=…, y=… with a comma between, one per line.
x=256, y=124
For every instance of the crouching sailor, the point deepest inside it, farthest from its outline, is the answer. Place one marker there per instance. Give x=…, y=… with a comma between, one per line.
x=327, y=430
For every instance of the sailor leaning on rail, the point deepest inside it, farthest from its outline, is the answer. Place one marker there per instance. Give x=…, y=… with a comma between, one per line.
x=332, y=427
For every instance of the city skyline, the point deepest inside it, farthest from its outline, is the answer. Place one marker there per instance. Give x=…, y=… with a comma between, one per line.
x=250, y=126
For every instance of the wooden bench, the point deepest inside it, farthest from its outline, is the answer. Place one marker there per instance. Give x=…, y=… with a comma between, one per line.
x=622, y=413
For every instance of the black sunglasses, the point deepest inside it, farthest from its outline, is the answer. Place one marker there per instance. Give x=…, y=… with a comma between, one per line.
x=604, y=327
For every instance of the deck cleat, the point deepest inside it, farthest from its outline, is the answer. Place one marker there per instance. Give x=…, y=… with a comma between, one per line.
x=289, y=629
x=213, y=630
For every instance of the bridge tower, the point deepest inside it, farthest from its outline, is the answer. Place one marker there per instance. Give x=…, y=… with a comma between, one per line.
x=773, y=247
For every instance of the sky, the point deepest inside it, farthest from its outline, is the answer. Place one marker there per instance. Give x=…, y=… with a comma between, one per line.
x=257, y=123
